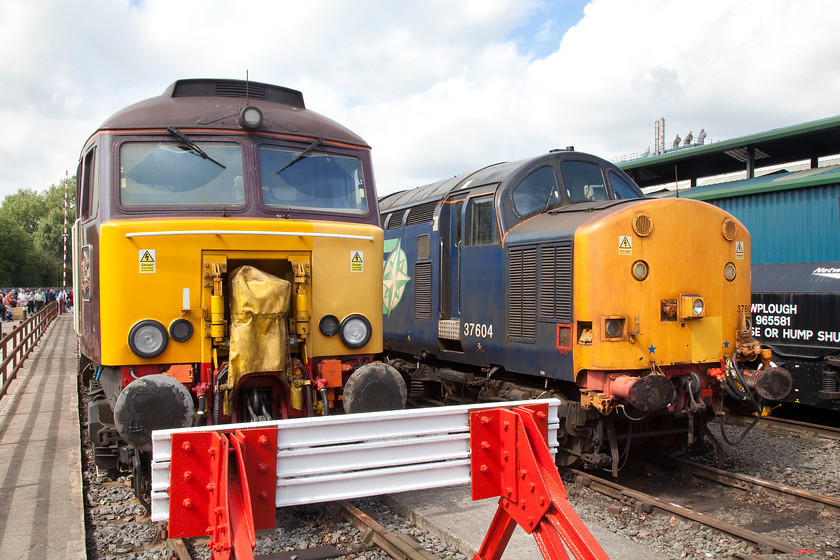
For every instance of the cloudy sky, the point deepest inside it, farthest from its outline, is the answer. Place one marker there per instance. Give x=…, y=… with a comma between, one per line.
x=436, y=87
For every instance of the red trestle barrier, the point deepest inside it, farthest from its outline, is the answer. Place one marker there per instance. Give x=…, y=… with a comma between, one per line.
x=510, y=459
x=223, y=484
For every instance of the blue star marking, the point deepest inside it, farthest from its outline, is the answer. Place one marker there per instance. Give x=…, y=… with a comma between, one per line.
x=652, y=349
x=726, y=344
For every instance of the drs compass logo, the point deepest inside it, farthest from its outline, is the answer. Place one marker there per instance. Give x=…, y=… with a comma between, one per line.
x=395, y=275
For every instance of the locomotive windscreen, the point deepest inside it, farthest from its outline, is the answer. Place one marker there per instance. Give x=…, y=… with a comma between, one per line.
x=166, y=174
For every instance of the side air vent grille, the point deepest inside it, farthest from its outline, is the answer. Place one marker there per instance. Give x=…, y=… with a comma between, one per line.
x=423, y=290
x=421, y=214
x=556, y=282
x=396, y=220
x=522, y=313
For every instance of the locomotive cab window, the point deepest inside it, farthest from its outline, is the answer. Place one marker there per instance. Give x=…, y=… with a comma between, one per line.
x=318, y=180
x=622, y=189
x=173, y=174
x=583, y=180
x=480, y=230
x=538, y=190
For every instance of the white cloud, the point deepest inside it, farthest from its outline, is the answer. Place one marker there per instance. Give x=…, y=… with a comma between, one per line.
x=437, y=88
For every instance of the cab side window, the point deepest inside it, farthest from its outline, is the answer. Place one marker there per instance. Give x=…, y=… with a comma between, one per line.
x=480, y=230
x=621, y=189
x=534, y=192
x=86, y=197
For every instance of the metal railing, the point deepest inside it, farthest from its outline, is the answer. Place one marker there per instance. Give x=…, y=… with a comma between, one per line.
x=16, y=346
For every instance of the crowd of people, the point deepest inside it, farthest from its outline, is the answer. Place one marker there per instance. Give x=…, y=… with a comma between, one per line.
x=32, y=300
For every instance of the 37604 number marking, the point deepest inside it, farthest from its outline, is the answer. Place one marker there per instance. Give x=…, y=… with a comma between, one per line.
x=478, y=330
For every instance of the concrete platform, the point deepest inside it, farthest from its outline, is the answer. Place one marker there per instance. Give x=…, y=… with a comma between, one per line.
x=450, y=514
x=41, y=513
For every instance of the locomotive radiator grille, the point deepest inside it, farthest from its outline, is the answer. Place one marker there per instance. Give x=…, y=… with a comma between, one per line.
x=421, y=214
x=522, y=312
x=556, y=282
x=423, y=290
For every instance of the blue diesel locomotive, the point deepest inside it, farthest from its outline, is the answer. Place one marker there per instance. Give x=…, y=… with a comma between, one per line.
x=554, y=276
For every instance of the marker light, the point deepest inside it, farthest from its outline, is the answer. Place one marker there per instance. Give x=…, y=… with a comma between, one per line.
x=148, y=338
x=328, y=325
x=729, y=272
x=640, y=270
x=180, y=330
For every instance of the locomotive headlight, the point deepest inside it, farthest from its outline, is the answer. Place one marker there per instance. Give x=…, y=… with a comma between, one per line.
x=148, y=338
x=355, y=331
x=692, y=307
x=328, y=325
x=640, y=270
x=250, y=117
x=729, y=272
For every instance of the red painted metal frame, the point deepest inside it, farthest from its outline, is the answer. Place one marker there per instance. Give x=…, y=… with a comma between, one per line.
x=223, y=485
x=510, y=458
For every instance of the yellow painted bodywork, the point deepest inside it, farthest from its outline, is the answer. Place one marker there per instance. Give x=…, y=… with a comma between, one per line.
x=335, y=285
x=690, y=261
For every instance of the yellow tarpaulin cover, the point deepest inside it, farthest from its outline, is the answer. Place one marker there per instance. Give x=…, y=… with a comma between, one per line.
x=258, y=304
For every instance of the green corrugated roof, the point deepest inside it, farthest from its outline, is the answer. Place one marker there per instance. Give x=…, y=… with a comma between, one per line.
x=775, y=147
x=767, y=183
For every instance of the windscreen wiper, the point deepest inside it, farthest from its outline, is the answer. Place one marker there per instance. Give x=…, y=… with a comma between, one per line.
x=302, y=155
x=191, y=145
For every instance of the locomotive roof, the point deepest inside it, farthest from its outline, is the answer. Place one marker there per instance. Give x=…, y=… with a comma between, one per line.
x=216, y=103
x=495, y=173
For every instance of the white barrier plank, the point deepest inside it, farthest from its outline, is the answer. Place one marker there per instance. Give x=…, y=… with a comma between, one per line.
x=355, y=455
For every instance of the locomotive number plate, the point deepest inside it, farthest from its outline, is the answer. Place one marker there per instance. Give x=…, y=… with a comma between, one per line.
x=478, y=330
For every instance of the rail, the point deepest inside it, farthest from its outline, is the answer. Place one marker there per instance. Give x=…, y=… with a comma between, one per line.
x=629, y=496
x=16, y=346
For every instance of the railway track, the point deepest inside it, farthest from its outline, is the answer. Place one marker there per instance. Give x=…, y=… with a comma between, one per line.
x=754, y=484
x=398, y=546
x=662, y=501
x=797, y=427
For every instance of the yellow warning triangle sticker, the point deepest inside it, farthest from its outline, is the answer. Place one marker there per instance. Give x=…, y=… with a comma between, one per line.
x=357, y=258
x=625, y=243
x=147, y=258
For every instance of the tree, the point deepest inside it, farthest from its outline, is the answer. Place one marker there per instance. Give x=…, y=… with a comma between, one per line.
x=31, y=235
x=16, y=247
x=49, y=236
x=26, y=207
